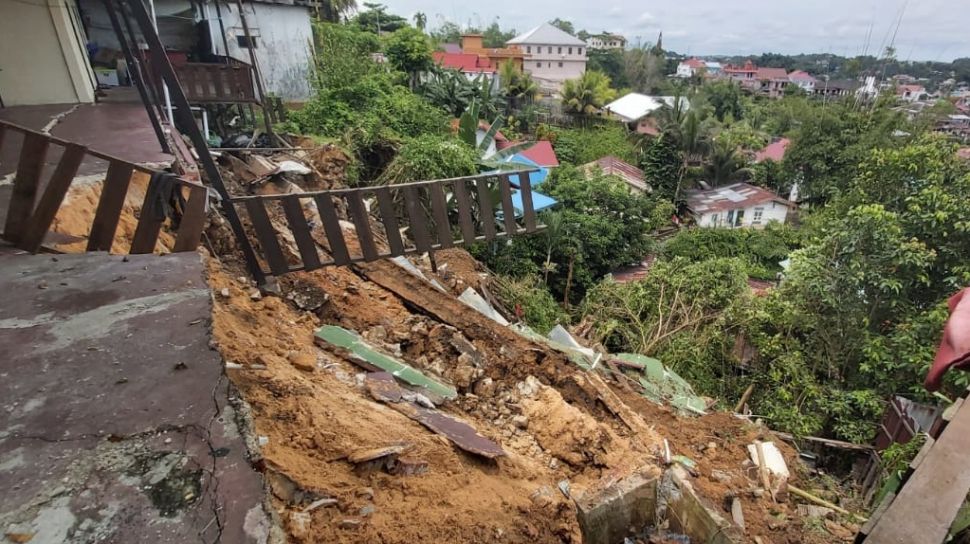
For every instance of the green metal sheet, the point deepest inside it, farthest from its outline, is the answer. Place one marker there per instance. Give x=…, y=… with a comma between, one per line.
x=352, y=342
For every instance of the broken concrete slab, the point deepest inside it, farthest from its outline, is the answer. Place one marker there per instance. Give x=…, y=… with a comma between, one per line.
x=118, y=426
x=607, y=516
x=362, y=351
x=774, y=460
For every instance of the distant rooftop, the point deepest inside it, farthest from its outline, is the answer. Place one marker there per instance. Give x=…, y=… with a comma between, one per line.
x=730, y=197
x=546, y=34
x=633, y=106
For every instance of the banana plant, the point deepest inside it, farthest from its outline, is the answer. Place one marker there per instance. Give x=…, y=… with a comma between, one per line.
x=468, y=133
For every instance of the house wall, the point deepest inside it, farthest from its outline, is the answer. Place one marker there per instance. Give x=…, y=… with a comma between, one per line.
x=684, y=70
x=42, y=54
x=283, y=44
x=770, y=211
x=543, y=62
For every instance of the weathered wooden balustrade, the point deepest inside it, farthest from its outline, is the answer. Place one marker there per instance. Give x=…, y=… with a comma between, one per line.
x=415, y=217
x=28, y=218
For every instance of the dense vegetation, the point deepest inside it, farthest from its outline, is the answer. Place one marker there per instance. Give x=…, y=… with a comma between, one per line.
x=879, y=244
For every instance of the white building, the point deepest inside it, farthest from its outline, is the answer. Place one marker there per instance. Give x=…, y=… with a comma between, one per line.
x=606, y=41
x=551, y=55
x=281, y=34
x=42, y=56
x=635, y=109
x=736, y=206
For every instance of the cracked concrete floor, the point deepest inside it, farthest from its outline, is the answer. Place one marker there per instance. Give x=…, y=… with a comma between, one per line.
x=115, y=420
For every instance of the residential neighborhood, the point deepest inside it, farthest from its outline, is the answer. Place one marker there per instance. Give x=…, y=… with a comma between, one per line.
x=317, y=271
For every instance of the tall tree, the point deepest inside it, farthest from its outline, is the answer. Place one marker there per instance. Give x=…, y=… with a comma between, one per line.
x=420, y=20
x=565, y=26
x=376, y=19
x=409, y=50
x=587, y=94
x=333, y=11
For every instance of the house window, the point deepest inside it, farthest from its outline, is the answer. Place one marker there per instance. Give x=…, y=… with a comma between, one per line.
x=570, y=50
x=245, y=42
x=758, y=213
x=560, y=64
x=714, y=219
x=580, y=50
x=538, y=65
x=559, y=51
x=528, y=49
x=550, y=64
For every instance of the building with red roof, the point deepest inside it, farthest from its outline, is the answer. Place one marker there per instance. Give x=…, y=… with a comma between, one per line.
x=635, y=179
x=911, y=93
x=466, y=63
x=775, y=151
x=541, y=153
x=737, y=205
x=804, y=80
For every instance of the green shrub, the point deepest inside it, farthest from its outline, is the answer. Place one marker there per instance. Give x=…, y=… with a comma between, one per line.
x=539, y=310
x=578, y=146
x=761, y=250
x=431, y=157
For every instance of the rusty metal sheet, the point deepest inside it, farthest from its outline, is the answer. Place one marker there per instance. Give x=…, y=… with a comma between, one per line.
x=460, y=433
x=383, y=387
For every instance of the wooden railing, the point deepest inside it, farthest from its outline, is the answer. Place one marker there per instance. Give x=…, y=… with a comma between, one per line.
x=206, y=82
x=29, y=219
x=415, y=217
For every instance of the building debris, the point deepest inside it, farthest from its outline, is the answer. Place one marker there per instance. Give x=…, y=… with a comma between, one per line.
x=375, y=360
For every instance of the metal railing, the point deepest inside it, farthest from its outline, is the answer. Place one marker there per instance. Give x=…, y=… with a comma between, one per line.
x=415, y=217
x=29, y=218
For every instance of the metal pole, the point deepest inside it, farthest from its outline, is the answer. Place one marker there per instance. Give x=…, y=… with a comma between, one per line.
x=187, y=121
x=168, y=98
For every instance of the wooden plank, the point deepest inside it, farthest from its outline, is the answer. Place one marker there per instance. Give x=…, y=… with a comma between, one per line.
x=418, y=225
x=464, y=204
x=266, y=235
x=187, y=79
x=112, y=201
x=528, y=209
x=146, y=232
x=3, y=131
x=508, y=211
x=25, y=185
x=928, y=501
x=193, y=220
x=301, y=232
x=439, y=208
x=385, y=203
x=877, y=514
x=485, y=209
x=358, y=214
x=33, y=236
x=331, y=227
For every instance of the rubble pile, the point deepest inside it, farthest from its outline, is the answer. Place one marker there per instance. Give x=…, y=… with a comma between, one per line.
x=386, y=409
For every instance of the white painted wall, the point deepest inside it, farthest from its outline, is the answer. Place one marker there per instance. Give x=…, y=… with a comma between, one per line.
x=42, y=54
x=283, y=44
x=553, y=64
x=770, y=211
x=684, y=70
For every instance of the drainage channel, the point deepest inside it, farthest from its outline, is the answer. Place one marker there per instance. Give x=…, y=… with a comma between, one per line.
x=645, y=506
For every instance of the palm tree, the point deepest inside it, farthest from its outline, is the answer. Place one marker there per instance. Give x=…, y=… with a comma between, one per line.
x=420, y=20
x=518, y=85
x=332, y=10
x=587, y=94
x=724, y=165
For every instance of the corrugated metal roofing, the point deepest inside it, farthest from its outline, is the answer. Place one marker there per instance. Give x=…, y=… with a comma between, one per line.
x=633, y=106
x=546, y=34
x=730, y=197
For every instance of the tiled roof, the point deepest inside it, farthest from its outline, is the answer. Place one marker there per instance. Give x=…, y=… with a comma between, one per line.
x=800, y=75
x=911, y=88
x=694, y=63
x=774, y=151
x=613, y=166
x=772, y=73
x=542, y=154
x=465, y=62
x=730, y=197
x=547, y=34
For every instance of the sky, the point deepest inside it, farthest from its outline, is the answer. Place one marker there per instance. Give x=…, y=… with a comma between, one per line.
x=935, y=30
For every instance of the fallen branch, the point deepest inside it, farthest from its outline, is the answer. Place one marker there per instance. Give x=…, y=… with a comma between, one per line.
x=822, y=502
